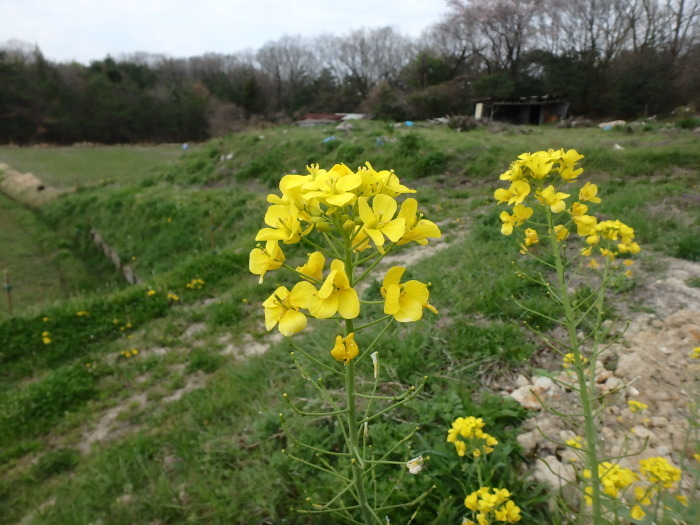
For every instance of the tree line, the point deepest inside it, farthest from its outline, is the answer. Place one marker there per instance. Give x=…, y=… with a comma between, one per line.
x=612, y=58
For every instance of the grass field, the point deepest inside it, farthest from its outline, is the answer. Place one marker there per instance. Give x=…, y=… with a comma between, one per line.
x=186, y=429
x=68, y=166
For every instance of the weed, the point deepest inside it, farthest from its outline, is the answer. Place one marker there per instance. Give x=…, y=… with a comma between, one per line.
x=56, y=462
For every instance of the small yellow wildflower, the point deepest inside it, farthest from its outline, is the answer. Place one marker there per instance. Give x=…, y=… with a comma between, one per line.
x=637, y=513
x=82, y=313
x=569, y=360
x=575, y=442
x=150, y=293
x=173, y=297
x=45, y=319
x=636, y=406
x=696, y=353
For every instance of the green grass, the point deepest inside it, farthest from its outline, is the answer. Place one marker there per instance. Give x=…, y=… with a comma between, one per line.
x=43, y=267
x=69, y=166
x=213, y=456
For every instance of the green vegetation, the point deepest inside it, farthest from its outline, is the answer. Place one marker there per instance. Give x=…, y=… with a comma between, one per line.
x=67, y=167
x=189, y=423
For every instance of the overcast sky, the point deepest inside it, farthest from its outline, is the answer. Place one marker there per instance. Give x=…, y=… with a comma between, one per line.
x=85, y=30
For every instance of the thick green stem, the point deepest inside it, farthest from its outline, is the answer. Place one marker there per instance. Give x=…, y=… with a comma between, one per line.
x=586, y=390
x=353, y=442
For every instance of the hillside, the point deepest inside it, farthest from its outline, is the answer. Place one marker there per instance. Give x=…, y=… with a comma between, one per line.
x=159, y=402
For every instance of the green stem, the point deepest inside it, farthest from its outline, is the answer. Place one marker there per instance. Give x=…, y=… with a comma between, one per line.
x=353, y=440
x=584, y=386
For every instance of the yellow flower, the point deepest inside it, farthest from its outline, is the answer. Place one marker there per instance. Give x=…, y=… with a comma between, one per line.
x=637, y=513
x=578, y=209
x=642, y=495
x=416, y=228
x=636, y=406
x=496, y=504
x=509, y=513
x=552, y=198
x=569, y=358
x=150, y=293
x=384, y=181
x=588, y=193
x=531, y=237
x=539, y=164
x=575, y=442
x=696, y=353
x=263, y=260
x=470, y=429
x=284, y=224
x=82, y=313
x=521, y=213
x=561, y=232
x=282, y=308
x=45, y=319
x=404, y=301
x=659, y=470
x=334, y=187
x=518, y=191
x=612, y=477
x=585, y=225
x=378, y=220
x=313, y=267
x=345, y=348
x=335, y=295
x=172, y=297
x=502, y=195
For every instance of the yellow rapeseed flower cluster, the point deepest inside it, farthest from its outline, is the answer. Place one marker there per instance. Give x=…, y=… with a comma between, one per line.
x=658, y=470
x=613, y=479
x=491, y=505
x=195, y=284
x=347, y=217
x=636, y=406
x=569, y=360
x=536, y=183
x=469, y=438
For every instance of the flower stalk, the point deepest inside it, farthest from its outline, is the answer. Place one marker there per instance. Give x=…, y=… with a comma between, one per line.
x=353, y=219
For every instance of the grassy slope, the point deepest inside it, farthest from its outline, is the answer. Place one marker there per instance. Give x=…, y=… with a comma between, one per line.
x=213, y=456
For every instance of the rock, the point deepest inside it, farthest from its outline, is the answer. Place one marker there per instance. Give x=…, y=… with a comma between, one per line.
x=659, y=421
x=554, y=473
x=521, y=380
x=526, y=398
x=529, y=441
x=542, y=384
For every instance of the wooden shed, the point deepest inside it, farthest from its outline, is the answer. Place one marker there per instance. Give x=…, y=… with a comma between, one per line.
x=535, y=110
